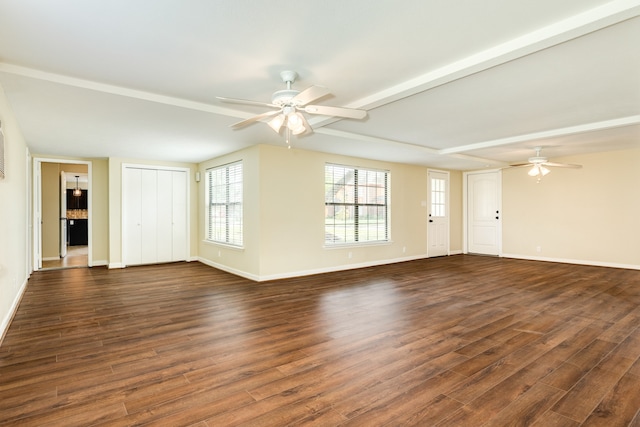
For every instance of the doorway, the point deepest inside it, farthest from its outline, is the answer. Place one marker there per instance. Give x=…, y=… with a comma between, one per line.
x=438, y=221
x=61, y=213
x=483, y=204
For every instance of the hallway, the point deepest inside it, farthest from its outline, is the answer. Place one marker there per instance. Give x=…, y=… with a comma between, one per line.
x=77, y=256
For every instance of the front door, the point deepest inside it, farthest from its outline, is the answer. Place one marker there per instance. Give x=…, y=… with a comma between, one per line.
x=438, y=225
x=483, y=213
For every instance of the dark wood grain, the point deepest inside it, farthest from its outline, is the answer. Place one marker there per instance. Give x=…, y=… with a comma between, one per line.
x=452, y=341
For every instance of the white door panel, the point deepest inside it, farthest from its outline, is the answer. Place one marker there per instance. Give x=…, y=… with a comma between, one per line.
x=131, y=218
x=154, y=224
x=165, y=214
x=63, y=214
x=483, y=213
x=438, y=215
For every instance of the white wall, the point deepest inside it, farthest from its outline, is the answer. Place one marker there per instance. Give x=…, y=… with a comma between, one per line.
x=587, y=216
x=14, y=216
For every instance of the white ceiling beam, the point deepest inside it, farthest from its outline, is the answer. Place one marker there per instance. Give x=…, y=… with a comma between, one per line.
x=576, y=26
x=119, y=90
x=428, y=150
x=554, y=133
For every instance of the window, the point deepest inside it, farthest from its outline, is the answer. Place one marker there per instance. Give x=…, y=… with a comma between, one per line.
x=438, y=200
x=356, y=205
x=224, y=201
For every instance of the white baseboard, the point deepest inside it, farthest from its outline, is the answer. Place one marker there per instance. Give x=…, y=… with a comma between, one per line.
x=4, y=327
x=300, y=273
x=51, y=258
x=574, y=261
x=115, y=265
x=339, y=268
x=230, y=270
x=100, y=263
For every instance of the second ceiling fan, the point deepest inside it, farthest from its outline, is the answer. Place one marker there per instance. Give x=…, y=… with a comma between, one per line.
x=539, y=165
x=289, y=104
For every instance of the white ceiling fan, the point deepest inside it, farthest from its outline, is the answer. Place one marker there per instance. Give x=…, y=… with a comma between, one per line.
x=289, y=104
x=539, y=165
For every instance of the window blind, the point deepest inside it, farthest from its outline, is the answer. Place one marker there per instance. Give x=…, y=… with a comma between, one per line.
x=225, y=197
x=356, y=205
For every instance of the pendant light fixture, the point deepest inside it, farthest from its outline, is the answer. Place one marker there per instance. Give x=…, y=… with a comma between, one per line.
x=76, y=191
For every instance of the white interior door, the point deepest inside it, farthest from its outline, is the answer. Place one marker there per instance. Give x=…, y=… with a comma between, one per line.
x=63, y=214
x=131, y=218
x=154, y=224
x=438, y=225
x=165, y=216
x=483, y=213
x=37, y=215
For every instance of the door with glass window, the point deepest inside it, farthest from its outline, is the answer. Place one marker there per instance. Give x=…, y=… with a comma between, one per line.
x=438, y=214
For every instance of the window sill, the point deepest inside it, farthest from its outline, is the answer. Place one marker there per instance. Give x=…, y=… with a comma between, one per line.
x=224, y=245
x=356, y=245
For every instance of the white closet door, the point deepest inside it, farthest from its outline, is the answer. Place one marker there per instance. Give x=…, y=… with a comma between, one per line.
x=131, y=220
x=165, y=215
x=179, y=216
x=149, y=216
x=154, y=224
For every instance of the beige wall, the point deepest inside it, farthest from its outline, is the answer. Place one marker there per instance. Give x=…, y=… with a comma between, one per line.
x=99, y=211
x=284, y=205
x=14, y=216
x=455, y=210
x=50, y=175
x=114, y=173
x=243, y=261
x=589, y=215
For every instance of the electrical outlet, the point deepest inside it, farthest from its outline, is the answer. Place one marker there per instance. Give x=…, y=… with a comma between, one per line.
x=350, y=254
x=538, y=249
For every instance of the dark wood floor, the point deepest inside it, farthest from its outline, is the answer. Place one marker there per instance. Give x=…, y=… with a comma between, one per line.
x=454, y=341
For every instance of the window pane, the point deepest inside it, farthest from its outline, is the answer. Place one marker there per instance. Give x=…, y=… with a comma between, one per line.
x=438, y=207
x=224, y=194
x=355, y=205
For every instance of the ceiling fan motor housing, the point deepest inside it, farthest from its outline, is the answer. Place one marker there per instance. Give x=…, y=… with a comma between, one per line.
x=537, y=160
x=282, y=97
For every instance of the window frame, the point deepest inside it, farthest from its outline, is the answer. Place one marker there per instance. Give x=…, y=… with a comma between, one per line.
x=357, y=204
x=230, y=203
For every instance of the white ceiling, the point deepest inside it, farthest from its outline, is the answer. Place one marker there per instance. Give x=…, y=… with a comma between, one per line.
x=449, y=84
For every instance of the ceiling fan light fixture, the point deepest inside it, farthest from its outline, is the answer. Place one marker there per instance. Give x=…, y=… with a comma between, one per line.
x=544, y=171
x=300, y=129
x=534, y=171
x=296, y=123
x=294, y=120
x=277, y=122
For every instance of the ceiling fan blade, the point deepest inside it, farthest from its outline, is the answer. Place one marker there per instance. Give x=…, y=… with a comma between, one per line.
x=254, y=119
x=520, y=165
x=245, y=102
x=310, y=94
x=562, y=165
x=350, y=113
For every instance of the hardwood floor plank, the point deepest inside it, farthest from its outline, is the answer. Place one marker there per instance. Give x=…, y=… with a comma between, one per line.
x=619, y=406
x=553, y=419
x=460, y=340
x=527, y=408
